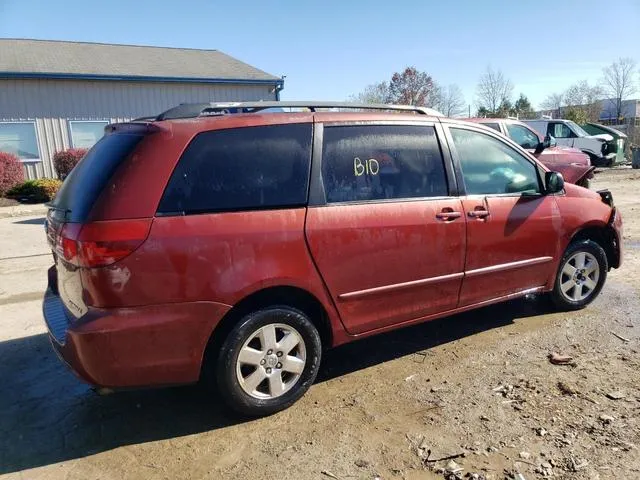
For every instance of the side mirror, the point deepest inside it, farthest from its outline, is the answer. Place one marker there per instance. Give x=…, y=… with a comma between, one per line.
x=554, y=182
x=548, y=142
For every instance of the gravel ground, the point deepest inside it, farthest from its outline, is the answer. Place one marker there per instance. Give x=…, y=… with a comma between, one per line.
x=477, y=387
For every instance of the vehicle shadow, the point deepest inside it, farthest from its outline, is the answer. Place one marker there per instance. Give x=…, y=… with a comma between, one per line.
x=31, y=221
x=48, y=416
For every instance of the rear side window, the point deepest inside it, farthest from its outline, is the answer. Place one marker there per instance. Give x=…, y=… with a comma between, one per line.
x=241, y=169
x=495, y=126
x=86, y=181
x=380, y=162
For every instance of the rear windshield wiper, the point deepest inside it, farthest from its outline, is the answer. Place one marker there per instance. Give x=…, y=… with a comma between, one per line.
x=63, y=211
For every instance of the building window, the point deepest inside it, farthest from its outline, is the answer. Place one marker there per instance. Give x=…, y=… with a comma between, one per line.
x=84, y=134
x=21, y=139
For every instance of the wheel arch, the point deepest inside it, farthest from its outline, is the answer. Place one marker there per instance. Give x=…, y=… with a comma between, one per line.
x=605, y=236
x=290, y=296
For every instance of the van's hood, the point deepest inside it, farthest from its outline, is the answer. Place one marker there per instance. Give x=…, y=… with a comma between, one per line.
x=603, y=136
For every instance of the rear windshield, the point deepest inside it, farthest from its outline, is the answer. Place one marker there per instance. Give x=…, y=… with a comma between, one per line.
x=85, y=182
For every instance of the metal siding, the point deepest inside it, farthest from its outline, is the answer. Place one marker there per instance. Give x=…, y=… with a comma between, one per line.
x=77, y=98
x=53, y=102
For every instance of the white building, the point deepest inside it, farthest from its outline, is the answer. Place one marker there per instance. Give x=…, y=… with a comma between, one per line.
x=57, y=95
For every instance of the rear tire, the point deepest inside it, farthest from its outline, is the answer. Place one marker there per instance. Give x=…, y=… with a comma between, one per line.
x=268, y=361
x=581, y=275
x=599, y=161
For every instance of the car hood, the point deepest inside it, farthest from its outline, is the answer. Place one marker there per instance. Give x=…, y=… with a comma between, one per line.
x=565, y=149
x=555, y=155
x=603, y=136
x=571, y=172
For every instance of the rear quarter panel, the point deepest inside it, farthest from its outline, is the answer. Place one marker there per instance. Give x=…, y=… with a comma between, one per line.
x=220, y=258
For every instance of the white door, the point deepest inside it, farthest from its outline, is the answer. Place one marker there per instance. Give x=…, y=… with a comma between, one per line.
x=562, y=133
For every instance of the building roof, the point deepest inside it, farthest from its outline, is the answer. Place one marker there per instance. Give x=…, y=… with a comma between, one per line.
x=57, y=59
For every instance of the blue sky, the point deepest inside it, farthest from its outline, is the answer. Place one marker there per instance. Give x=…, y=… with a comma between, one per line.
x=330, y=49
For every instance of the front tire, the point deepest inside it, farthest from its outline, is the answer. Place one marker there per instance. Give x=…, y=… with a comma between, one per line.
x=268, y=361
x=584, y=182
x=581, y=275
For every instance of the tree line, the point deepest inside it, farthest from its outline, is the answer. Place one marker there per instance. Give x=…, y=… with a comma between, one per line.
x=580, y=102
x=413, y=87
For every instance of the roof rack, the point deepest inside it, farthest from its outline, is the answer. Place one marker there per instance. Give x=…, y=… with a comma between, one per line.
x=144, y=119
x=191, y=110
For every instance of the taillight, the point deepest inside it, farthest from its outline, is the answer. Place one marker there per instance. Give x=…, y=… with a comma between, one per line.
x=99, y=244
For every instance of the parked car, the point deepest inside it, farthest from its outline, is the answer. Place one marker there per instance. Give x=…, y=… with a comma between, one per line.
x=233, y=248
x=617, y=144
x=570, y=134
x=574, y=165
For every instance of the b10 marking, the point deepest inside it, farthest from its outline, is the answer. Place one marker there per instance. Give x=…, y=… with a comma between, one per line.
x=368, y=167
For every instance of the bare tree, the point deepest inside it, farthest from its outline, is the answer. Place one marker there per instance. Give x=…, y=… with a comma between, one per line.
x=619, y=82
x=586, y=98
x=450, y=101
x=374, y=93
x=581, y=93
x=493, y=90
x=412, y=87
x=553, y=102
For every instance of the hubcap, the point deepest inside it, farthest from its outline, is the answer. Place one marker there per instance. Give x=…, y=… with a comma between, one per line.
x=271, y=361
x=579, y=276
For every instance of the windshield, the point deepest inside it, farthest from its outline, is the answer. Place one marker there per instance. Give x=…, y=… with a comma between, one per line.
x=578, y=130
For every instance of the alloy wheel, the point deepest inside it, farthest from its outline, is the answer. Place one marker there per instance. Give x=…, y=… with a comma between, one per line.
x=579, y=276
x=271, y=361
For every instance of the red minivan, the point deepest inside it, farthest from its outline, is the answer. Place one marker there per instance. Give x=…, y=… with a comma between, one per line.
x=231, y=244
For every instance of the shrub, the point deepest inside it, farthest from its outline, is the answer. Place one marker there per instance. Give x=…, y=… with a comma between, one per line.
x=11, y=172
x=41, y=190
x=65, y=160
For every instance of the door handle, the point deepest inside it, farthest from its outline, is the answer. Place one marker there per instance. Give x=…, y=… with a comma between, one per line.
x=479, y=213
x=448, y=215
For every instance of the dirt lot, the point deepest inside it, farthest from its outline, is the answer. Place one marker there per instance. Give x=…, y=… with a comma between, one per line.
x=476, y=386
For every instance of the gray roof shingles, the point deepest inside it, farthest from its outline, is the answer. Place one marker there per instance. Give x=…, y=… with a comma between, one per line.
x=18, y=56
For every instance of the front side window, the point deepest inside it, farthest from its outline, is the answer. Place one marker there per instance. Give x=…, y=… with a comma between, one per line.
x=381, y=162
x=522, y=136
x=241, y=169
x=20, y=139
x=490, y=166
x=85, y=134
x=559, y=130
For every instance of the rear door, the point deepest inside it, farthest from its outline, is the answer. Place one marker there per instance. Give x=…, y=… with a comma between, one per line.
x=512, y=227
x=385, y=226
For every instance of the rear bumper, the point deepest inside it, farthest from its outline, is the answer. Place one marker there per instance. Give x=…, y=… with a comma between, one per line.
x=138, y=346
